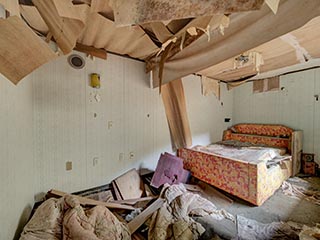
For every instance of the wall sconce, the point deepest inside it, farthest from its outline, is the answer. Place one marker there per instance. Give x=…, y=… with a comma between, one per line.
x=95, y=80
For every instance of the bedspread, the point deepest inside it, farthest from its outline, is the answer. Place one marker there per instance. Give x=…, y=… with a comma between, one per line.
x=65, y=219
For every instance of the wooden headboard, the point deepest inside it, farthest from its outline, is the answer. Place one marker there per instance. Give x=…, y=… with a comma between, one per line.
x=270, y=135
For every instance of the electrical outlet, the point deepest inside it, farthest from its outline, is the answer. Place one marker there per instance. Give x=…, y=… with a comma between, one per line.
x=68, y=166
x=95, y=161
x=131, y=155
x=110, y=124
x=121, y=157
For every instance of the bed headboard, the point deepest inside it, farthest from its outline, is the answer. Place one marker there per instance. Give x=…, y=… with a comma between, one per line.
x=262, y=134
x=270, y=135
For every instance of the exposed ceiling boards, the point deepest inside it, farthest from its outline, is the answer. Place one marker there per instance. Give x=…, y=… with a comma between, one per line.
x=64, y=22
x=12, y=6
x=101, y=32
x=198, y=33
x=246, y=31
x=16, y=63
x=290, y=49
x=142, y=11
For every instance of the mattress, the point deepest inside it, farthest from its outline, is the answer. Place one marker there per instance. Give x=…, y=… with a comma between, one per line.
x=247, y=153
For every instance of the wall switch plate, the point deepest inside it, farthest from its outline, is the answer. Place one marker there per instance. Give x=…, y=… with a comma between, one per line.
x=68, y=166
x=95, y=161
x=131, y=155
x=110, y=124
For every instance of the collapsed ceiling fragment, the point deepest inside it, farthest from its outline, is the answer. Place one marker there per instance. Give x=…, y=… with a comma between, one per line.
x=223, y=40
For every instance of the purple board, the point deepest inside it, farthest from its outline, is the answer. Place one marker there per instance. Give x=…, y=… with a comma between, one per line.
x=169, y=170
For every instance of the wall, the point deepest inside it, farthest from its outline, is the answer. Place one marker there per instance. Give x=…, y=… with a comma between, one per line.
x=294, y=106
x=16, y=155
x=53, y=117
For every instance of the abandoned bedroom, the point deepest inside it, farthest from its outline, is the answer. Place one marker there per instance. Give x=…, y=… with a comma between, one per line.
x=159, y=119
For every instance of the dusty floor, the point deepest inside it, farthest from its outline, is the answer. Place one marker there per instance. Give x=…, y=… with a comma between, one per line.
x=279, y=207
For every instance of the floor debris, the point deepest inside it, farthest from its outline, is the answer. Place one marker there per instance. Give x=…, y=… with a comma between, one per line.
x=174, y=220
x=66, y=219
x=301, y=192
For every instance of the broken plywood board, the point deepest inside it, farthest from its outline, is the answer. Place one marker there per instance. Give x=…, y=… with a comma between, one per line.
x=169, y=170
x=101, y=32
x=145, y=11
x=204, y=54
x=12, y=6
x=134, y=224
x=64, y=22
x=130, y=185
x=116, y=191
x=88, y=201
x=21, y=51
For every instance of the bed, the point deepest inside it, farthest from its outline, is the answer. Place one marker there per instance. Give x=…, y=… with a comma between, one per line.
x=250, y=162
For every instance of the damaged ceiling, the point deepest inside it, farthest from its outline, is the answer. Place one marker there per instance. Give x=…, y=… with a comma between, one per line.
x=228, y=41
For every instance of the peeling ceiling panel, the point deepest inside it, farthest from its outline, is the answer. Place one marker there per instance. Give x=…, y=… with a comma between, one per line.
x=246, y=31
x=278, y=53
x=12, y=6
x=102, y=7
x=34, y=19
x=21, y=51
x=64, y=22
x=143, y=11
x=101, y=32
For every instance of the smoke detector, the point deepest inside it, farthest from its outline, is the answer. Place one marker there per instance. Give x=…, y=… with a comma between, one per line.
x=76, y=61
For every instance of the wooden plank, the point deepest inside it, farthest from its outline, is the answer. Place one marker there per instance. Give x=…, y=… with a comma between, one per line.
x=116, y=191
x=133, y=201
x=100, y=53
x=88, y=201
x=21, y=50
x=142, y=217
x=176, y=111
x=130, y=185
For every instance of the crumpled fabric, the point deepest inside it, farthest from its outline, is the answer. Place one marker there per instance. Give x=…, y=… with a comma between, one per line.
x=253, y=230
x=65, y=219
x=174, y=219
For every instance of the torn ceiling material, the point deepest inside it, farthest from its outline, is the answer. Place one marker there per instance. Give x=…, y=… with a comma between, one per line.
x=101, y=32
x=12, y=6
x=18, y=62
x=296, y=47
x=64, y=22
x=246, y=31
x=144, y=11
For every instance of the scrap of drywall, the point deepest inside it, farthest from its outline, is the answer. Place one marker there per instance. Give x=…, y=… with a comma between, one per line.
x=209, y=85
x=266, y=85
x=21, y=51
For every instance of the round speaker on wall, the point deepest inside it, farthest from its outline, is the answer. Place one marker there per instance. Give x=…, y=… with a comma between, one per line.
x=76, y=61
